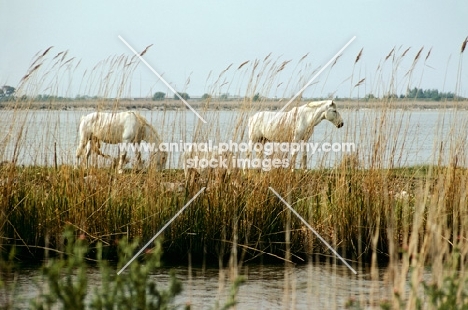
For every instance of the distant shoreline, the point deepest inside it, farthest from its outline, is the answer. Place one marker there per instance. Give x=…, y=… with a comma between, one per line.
x=220, y=105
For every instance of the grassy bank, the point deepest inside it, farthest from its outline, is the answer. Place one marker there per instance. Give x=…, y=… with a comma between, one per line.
x=360, y=212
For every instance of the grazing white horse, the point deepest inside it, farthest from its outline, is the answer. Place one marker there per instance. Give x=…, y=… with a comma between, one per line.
x=113, y=128
x=294, y=126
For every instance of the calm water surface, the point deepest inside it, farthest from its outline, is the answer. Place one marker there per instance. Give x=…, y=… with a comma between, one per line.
x=317, y=286
x=391, y=137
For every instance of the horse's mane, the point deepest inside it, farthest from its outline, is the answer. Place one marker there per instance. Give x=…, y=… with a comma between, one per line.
x=145, y=123
x=315, y=104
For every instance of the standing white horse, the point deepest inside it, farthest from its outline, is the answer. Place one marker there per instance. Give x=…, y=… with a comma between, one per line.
x=294, y=126
x=113, y=128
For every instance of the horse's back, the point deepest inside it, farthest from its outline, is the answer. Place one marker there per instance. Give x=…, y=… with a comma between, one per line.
x=271, y=125
x=87, y=124
x=257, y=124
x=107, y=126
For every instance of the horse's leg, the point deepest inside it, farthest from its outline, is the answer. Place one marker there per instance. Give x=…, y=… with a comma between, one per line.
x=89, y=148
x=78, y=154
x=248, y=154
x=292, y=164
x=116, y=160
x=184, y=164
x=97, y=149
x=248, y=157
x=138, y=157
x=258, y=154
x=293, y=158
x=297, y=139
x=161, y=160
x=122, y=161
x=79, y=151
x=304, y=160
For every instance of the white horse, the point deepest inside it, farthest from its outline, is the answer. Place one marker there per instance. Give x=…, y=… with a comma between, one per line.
x=113, y=128
x=294, y=126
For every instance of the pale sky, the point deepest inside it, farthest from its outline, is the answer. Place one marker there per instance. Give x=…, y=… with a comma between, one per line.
x=193, y=38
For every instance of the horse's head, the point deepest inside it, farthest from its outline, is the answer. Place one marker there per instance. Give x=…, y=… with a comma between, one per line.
x=159, y=159
x=331, y=114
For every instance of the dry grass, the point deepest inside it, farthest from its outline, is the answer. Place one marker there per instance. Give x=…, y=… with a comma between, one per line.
x=409, y=218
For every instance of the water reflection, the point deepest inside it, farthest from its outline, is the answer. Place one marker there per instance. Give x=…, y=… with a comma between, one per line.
x=312, y=286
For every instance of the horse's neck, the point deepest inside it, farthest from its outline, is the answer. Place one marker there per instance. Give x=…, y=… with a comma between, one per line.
x=292, y=115
x=151, y=134
x=312, y=116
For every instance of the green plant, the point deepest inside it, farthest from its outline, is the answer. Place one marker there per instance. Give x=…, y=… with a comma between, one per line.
x=66, y=285
x=452, y=293
x=7, y=290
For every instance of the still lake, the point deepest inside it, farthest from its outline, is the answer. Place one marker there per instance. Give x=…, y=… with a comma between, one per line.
x=387, y=137
x=317, y=286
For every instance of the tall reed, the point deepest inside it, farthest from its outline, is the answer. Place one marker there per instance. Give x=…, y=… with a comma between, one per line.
x=371, y=206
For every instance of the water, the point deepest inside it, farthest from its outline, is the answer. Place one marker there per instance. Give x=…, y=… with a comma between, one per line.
x=317, y=286
x=407, y=137
x=396, y=137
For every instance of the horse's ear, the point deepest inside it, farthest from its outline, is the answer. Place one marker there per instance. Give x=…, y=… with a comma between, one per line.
x=331, y=104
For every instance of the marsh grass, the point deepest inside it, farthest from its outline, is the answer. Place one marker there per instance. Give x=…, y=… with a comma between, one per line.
x=105, y=206
x=377, y=211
